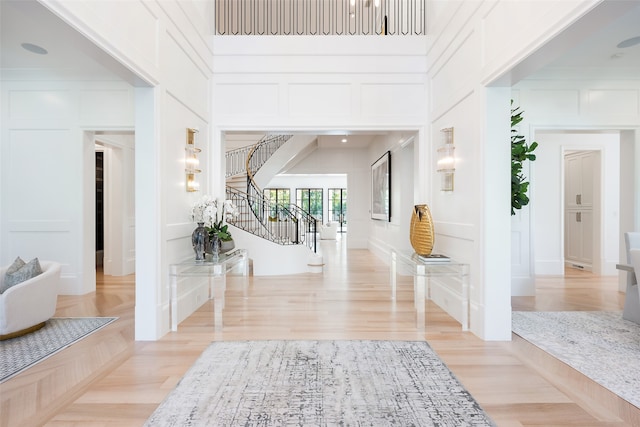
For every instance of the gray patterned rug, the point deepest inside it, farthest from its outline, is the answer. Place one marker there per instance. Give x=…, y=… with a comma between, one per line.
x=601, y=345
x=58, y=333
x=319, y=383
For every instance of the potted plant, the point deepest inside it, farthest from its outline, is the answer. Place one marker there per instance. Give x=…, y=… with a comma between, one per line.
x=212, y=213
x=520, y=152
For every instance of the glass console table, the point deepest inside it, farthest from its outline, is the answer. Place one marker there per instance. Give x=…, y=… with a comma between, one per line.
x=215, y=272
x=451, y=277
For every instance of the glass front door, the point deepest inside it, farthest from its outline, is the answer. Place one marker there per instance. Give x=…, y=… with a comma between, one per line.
x=338, y=208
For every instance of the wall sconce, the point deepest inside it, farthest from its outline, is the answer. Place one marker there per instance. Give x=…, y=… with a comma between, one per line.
x=446, y=160
x=191, y=160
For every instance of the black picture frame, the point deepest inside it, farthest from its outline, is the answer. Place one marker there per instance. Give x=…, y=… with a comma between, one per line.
x=381, y=188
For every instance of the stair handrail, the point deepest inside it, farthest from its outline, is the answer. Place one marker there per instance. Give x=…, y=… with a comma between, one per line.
x=236, y=159
x=302, y=225
x=284, y=224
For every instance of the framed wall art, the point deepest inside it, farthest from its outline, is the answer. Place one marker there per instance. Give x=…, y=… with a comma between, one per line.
x=381, y=188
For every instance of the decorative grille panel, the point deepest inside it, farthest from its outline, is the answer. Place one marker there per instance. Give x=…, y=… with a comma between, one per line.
x=320, y=17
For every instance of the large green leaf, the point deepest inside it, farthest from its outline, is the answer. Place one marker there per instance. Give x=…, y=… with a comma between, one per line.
x=520, y=152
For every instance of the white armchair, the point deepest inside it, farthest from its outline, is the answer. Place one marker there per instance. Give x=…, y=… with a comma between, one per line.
x=329, y=231
x=26, y=306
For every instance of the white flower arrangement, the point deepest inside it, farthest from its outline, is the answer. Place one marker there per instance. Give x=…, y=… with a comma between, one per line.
x=205, y=211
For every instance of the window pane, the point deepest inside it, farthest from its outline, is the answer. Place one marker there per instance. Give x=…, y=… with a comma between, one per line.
x=310, y=200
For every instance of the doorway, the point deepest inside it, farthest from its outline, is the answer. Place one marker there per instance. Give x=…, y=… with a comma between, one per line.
x=582, y=209
x=115, y=202
x=550, y=233
x=337, y=198
x=99, y=207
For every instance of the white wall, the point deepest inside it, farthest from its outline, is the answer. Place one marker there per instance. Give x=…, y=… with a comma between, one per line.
x=393, y=234
x=318, y=83
x=48, y=169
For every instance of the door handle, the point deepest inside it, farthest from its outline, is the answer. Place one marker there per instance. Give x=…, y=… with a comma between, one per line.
x=578, y=199
x=579, y=217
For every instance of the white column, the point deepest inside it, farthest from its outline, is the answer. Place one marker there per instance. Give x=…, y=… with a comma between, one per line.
x=148, y=312
x=495, y=240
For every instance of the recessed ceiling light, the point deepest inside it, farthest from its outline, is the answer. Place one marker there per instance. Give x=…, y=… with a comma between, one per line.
x=629, y=42
x=34, y=48
x=344, y=140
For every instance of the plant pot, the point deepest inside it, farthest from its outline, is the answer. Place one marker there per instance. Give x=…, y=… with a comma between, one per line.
x=226, y=246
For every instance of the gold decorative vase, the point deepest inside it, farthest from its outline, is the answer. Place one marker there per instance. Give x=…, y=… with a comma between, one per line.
x=421, y=230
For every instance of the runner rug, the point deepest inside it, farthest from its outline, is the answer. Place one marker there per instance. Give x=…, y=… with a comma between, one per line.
x=18, y=354
x=319, y=383
x=601, y=345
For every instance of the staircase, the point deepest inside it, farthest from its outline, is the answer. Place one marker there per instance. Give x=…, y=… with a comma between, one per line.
x=240, y=160
x=281, y=224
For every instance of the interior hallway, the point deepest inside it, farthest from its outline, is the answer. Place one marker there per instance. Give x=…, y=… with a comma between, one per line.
x=108, y=379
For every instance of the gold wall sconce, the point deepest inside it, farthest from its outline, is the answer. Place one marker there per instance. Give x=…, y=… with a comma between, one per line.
x=446, y=160
x=191, y=160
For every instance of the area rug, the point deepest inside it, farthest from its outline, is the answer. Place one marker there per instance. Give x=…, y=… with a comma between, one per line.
x=319, y=383
x=601, y=345
x=58, y=333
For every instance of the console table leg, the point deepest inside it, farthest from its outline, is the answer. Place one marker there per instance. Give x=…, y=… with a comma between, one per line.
x=393, y=274
x=419, y=285
x=464, y=280
x=174, y=303
x=218, y=301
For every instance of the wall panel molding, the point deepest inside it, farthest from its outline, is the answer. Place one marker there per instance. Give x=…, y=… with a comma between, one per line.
x=455, y=230
x=20, y=226
x=25, y=104
x=178, y=63
x=329, y=99
x=246, y=99
x=613, y=102
x=393, y=99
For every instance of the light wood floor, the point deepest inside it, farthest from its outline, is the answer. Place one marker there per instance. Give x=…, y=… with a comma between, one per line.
x=108, y=379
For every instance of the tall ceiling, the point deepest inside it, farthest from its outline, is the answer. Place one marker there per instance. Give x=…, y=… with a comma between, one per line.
x=591, y=50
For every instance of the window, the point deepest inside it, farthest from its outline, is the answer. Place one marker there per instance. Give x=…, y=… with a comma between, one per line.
x=279, y=202
x=310, y=200
x=338, y=207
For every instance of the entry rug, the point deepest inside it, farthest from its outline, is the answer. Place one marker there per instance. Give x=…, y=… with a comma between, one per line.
x=57, y=334
x=601, y=345
x=319, y=383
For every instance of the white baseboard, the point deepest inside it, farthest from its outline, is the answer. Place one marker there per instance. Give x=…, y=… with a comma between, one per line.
x=549, y=268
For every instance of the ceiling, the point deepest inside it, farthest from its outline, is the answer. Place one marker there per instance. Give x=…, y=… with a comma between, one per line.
x=589, y=48
x=599, y=52
x=68, y=52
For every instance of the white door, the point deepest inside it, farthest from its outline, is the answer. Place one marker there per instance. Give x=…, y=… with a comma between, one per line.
x=581, y=190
